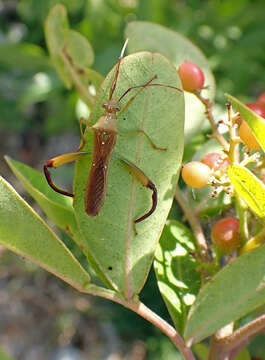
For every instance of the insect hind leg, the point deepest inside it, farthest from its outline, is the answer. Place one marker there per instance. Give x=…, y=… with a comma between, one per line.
x=57, y=162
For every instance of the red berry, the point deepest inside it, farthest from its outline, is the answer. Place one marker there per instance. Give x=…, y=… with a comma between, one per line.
x=261, y=100
x=216, y=161
x=191, y=76
x=258, y=109
x=196, y=174
x=225, y=234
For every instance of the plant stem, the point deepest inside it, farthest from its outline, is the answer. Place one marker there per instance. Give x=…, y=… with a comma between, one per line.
x=233, y=343
x=146, y=313
x=208, y=112
x=81, y=88
x=195, y=225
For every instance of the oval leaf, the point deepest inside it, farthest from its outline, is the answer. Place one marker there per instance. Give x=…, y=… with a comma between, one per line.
x=124, y=257
x=255, y=122
x=55, y=25
x=175, y=268
x=79, y=48
x=24, y=232
x=57, y=207
x=249, y=187
x=71, y=53
x=235, y=291
x=178, y=49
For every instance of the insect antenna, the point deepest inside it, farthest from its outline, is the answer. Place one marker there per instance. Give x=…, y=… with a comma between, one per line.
x=113, y=87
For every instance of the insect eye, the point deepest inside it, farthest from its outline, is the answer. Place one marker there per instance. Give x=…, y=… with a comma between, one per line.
x=105, y=106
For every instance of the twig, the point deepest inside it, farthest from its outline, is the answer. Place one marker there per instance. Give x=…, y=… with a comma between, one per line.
x=142, y=310
x=222, y=347
x=195, y=225
x=90, y=99
x=208, y=112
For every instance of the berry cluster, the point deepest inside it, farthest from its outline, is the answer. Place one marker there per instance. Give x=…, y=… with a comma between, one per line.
x=212, y=169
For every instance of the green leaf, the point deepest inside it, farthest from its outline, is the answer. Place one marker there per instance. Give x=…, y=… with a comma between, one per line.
x=24, y=232
x=57, y=207
x=255, y=122
x=55, y=25
x=175, y=268
x=71, y=53
x=249, y=187
x=79, y=48
x=178, y=49
x=31, y=57
x=235, y=291
x=124, y=257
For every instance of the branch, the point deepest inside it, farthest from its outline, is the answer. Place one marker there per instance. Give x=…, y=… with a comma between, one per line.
x=208, y=112
x=146, y=313
x=81, y=88
x=195, y=225
x=236, y=341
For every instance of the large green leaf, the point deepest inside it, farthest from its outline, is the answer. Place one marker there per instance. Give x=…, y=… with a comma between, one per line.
x=24, y=232
x=57, y=207
x=178, y=49
x=249, y=187
x=235, y=291
x=176, y=271
x=255, y=122
x=124, y=257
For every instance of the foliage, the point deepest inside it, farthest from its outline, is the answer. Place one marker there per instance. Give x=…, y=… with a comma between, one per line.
x=201, y=298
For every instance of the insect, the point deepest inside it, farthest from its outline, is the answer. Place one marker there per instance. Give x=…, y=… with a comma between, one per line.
x=105, y=135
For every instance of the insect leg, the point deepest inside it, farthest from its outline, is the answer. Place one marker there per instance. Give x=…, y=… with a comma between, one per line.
x=145, y=181
x=59, y=161
x=133, y=132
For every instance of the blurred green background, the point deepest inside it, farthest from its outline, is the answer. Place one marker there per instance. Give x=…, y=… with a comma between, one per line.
x=38, y=118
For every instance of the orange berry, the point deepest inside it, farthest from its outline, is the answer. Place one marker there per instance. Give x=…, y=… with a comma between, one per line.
x=248, y=137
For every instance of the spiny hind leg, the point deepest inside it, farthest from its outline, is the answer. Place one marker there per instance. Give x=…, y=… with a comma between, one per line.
x=57, y=162
x=145, y=181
